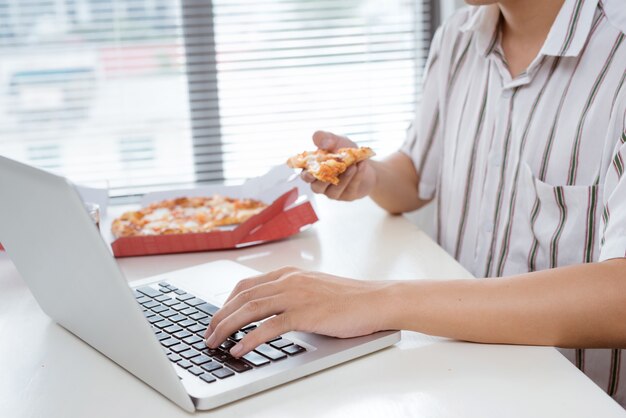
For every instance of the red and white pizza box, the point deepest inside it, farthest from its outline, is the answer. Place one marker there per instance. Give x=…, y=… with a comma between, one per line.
x=290, y=211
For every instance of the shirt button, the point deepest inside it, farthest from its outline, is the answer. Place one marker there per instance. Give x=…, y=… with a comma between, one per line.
x=507, y=93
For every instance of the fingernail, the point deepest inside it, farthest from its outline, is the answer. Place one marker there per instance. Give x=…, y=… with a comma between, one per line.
x=236, y=350
x=211, y=340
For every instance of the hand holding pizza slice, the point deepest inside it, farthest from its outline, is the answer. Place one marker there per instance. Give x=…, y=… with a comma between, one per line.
x=327, y=166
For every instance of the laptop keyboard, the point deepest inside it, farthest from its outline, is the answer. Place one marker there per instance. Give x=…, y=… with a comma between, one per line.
x=179, y=320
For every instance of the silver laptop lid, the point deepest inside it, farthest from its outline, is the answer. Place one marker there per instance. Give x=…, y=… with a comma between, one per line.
x=56, y=247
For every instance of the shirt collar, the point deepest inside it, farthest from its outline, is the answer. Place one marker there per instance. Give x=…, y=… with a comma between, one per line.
x=571, y=28
x=567, y=36
x=483, y=23
x=615, y=13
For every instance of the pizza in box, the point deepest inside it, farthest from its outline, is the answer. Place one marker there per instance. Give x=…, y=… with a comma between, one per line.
x=216, y=222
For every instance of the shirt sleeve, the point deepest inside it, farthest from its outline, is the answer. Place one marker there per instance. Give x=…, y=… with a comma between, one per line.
x=423, y=141
x=613, y=220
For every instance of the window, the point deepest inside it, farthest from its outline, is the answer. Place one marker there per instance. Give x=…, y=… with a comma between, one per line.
x=144, y=94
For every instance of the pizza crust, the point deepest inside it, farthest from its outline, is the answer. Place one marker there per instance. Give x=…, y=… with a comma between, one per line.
x=328, y=166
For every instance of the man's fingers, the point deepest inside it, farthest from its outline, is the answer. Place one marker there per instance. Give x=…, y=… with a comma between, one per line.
x=319, y=187
x=352, y=188
x=335, y=192
x=331, y=142
x=268, y=330
x=250, y=282
x=307, y=177
x=261, y=291
x=252, y=311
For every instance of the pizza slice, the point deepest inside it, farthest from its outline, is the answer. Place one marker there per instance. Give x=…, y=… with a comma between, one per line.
x=328, y=166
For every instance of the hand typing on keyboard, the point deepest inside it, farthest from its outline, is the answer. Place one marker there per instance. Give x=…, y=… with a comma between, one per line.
x=293, y=300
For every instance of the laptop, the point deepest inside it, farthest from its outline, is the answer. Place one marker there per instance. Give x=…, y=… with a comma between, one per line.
x=154, y=327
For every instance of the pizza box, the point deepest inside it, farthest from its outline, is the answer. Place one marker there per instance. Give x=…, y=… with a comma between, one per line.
x=291, y=210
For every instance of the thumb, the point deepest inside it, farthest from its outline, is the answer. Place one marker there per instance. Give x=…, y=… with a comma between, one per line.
x=331, y=142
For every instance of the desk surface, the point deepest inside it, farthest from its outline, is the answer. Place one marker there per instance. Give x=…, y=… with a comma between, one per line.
x=47, y=372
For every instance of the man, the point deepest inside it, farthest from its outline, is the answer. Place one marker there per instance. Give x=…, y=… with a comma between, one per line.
x=521, y=140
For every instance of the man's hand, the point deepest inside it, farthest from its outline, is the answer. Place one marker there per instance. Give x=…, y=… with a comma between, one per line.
x=356, y=182
x=296, y=300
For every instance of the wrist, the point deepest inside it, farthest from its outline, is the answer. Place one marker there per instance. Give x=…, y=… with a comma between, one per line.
x=391, y=299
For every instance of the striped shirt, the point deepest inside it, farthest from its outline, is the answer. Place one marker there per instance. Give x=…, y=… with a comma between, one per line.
x=528, y=171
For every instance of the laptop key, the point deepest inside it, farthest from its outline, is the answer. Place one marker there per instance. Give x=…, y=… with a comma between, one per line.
x=181, y=335
x=148, y=291
x=193, y=339
x=238, y=336
x=162, y=298
x=185, y=364
x=227, y=345
x=179, y=306
x=179, y=292
x=179, y=348
x=201, y=359
x=150, y=304
x=159, y=309
x=256, y=359
x=163, y=324
x=211, y=366
x=148, y=314
x=201, y=345
x=197, y=328
x=173, y=329
x=190, y=311
x=270, y=352
x=187, y=323
x=168, y=313
x=282, y=343
x=205, y=321
x=221, y=356
x=162, y=335
x=189, y=354
x=184, y=296
x=165, y=289
x=174, y=357
x=194, y=302
x=170, y=302
x=169, y=342
x=293, y=350
x=238, y=365
x=164, y=284
x=177, y=318
x=207, y=308
x=196, y=371
x=154, y=319
x=208, y=378
x=196, y=315
x=143, y=299
x=223, y=373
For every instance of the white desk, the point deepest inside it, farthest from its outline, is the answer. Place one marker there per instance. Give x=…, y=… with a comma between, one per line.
x=47, y=372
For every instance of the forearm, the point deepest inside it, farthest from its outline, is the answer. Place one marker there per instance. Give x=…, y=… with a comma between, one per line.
x=396, y=188
x=577, y=306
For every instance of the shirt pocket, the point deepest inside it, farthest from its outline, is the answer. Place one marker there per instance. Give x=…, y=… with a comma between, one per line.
x=562, y=221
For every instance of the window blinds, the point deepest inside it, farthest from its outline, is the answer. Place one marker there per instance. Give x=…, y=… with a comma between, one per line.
x=150, y=94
